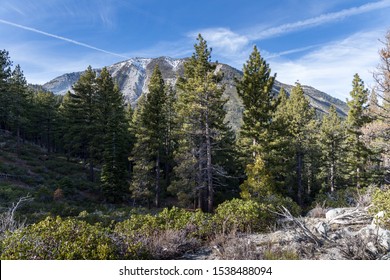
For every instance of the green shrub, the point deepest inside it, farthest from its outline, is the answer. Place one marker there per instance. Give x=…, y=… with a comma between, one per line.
x=43, y=194
x=240, y=215
x=251, y=216
x=275, y=202
x=9, y=192
x=145, y=235
x=58, y=239
x=338, y=199
x=381, y=202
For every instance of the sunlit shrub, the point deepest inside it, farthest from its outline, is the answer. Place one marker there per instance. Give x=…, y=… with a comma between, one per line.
x=381, y=202
x=58, y=239
x=240, y=215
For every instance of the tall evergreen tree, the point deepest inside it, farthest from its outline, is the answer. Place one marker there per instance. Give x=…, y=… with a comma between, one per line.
x=113, y=127
x=201, y=121
x=44, y=116
x=84, y=130
x=282, y=161
x=357, y=118
x=330, y=141
x=297, y=116
x=151, y=140
x=18, y=101
x=255, y=90
x=5, y=97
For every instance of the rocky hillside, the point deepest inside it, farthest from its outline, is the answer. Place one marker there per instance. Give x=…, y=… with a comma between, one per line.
x=133, y=77
x=323, y=234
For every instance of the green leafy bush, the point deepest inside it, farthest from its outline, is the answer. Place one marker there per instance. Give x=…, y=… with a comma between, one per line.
x=240, y=215
x=249, y=215
x=144, y=235
x=58, y=239
x=275, y=202
x=168, y=219
x=9, y=192
x=381, y=202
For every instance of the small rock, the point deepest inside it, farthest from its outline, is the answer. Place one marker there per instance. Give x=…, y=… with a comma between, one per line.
x=377, y=218
x=332, y=213
x=322, y=228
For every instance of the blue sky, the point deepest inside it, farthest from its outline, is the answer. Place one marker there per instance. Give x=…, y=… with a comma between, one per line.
x=320, y=43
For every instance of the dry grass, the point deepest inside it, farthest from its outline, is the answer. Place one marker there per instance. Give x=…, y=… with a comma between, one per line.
x=236, y=248
x=169, y=244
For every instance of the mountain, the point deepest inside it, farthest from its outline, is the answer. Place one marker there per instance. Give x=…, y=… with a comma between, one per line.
x=133, y=77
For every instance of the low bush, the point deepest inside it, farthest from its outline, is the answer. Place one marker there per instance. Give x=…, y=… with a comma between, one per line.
x=58, y=239
x=338, y=199
x=164, y=235
x=239, y=215
x=381, y=202
x=247, y=216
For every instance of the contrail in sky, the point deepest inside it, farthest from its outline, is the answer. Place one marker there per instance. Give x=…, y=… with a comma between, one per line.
x=319, y=20
x=61, y=38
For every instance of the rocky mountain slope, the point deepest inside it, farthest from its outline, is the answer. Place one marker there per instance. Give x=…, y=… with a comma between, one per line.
x=133, y=77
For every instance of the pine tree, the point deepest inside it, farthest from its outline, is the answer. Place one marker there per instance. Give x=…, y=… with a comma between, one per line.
x=84, y=130
x=18, y=105
x=113, y=127
x=5, y=97
x=150, y=150
x=65, y=116
x=357, y=118
x=330, y=141
x=294, y=118
x=282, y=161
x=44, y=116
x=259, y=181
x=201, y=120
x=255, y=90
x=170, y=139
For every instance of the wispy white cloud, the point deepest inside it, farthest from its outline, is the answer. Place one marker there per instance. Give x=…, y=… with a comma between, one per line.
x=316, y=21
x=234, y=47
x=331, y=67
x=229, y=46
x=223, y=39
x=61, y=38
x=40, y=64
x=287, y=52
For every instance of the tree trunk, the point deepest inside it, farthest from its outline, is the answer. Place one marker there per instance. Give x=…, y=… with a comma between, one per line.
x=200, y=183
x=254, y=148
x=210, y=189
x=358, y=178
x=299, y=178
x=332, y=177
x=157, y=186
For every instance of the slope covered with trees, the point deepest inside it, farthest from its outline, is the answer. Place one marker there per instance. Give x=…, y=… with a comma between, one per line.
x=176, y=148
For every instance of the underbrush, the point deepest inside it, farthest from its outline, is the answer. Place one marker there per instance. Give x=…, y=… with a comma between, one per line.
x=132, y=234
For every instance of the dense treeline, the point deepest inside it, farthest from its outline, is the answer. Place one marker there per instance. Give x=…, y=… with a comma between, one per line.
x=176, y=147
